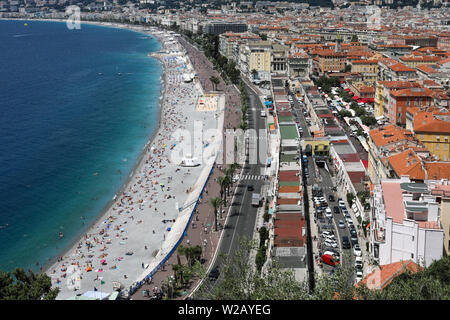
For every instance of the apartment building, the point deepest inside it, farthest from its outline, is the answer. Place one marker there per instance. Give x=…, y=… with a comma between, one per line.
x=405, y=223
x=368, y=69
x=441, y=190
x=413, y=61
x=255, y=55
x=391, y=70
x=384, y=142
x=331, y=61
x=432, y=128
x=401, y=100
x=382, y=94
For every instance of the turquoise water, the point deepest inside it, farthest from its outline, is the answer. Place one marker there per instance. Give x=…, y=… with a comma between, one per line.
x=71, y=129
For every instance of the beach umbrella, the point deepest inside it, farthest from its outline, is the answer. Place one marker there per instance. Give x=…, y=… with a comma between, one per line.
x=168, y=229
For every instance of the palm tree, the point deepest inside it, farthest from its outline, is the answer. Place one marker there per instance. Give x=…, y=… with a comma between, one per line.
x=222, y=183
x=215, y=202
x=254, y=73
x=229, y=172
x=215, y=81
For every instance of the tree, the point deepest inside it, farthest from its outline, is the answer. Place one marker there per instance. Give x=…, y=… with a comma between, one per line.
x=215, y=81
x=215, y=202
x=242, y=282
x=26, y=286
x=263, y=36
x=254, y=73
x=355, y=38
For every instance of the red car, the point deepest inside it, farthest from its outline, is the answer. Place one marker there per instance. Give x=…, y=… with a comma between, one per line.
x=329, y=260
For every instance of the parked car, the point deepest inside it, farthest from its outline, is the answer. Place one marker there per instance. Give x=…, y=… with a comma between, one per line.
x=214, y=274
x=332, y=244
x=354, y=240
x=328, y=213
x=345, y=243
x=335, y=255
x=329, y=260
x=341, y=224
x=331, y=198
x=326, y=233
x=359, y=276
x=357, y=251
x=250, y=187
x=336, y=209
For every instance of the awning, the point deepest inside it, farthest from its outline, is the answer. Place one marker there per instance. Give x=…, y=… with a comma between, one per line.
x=364, y=100
x=269, y=160
x=355, y=97
x=371, y=99
x=347, y=89
x=268, y=103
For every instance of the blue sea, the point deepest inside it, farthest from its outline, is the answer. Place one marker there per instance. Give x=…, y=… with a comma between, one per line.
x=77, y=107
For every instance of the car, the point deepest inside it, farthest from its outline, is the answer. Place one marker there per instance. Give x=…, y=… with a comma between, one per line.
x=330, y=238
x=214, y=274
x=359, y=276
x=333, y=254
x=328, y=213
x=358, y=260
x=326, y=233
x=329, y=260
x=341, y=224
x=336, y=209
x=353, y=232
x=332, y=244
x=354, y=240
x=357, y=251
x=250, y=187
x=331, y=198
x=345, y=243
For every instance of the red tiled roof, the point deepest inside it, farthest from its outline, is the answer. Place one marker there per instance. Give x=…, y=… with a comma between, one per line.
x=383, y=275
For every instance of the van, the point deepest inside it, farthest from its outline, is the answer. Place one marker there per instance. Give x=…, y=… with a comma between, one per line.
x=329, y=260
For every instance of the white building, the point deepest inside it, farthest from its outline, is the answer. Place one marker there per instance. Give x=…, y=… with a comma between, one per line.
x=404, y=223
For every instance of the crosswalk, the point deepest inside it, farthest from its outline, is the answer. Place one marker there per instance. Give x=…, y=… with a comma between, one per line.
x=252, y=177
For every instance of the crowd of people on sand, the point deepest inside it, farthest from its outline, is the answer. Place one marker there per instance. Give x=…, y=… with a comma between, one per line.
x=148, y=194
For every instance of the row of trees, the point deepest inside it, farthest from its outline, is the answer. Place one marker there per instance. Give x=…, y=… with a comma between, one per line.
x=241, y=282
x=226, y=184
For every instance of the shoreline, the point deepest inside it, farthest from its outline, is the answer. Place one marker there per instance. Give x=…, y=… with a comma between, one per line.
x=102, y=214
x=155, y=167
x=162, y=96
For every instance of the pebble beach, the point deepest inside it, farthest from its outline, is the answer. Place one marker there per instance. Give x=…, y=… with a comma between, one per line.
x=146, y=217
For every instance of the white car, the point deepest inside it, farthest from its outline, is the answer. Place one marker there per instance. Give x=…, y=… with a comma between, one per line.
x=328, y=213
x=330, y=244
x=357, y=251
x=326, y=233
x=358, y=260
x=359, y=276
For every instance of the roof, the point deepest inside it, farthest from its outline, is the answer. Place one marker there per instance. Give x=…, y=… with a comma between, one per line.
x=407, y=163
x=388, y=134
x=392, y=193
x=383, y=275
x=414, y=92
x=426, y=122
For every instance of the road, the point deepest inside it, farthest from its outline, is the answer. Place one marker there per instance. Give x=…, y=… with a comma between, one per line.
x=322, y=177
x=242, y=219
